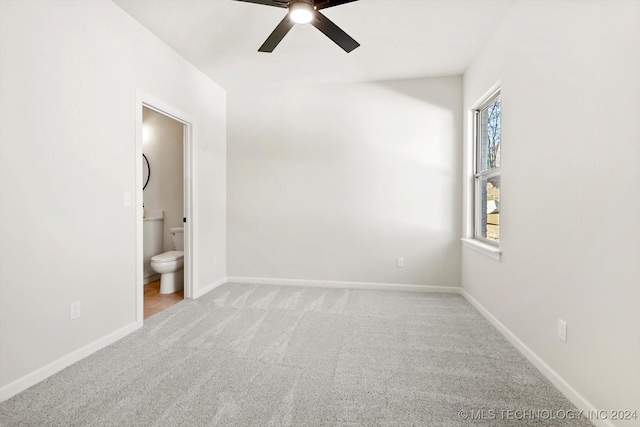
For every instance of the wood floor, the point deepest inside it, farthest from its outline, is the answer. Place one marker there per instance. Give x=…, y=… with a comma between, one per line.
x=155, y=302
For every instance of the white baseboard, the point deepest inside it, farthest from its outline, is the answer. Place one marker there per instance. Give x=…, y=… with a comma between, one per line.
x=197, y=293
x=54, y=367
x=565, y=388
x=151, y=278
x=344, y=285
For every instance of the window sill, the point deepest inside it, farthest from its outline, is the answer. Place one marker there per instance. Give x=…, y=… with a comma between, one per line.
x=484, y=248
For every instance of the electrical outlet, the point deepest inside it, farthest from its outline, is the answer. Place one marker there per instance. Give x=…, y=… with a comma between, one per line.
x=562, y=330
x=400, y=262
x=215, y=260
x=74, y=310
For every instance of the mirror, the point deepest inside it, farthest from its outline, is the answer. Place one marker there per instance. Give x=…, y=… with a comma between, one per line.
x=146, y=171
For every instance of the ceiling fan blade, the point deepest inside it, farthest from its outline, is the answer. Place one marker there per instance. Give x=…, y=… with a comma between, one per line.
x=323, y=4
x=277, y=35
x=276, y=3
x=334, y=32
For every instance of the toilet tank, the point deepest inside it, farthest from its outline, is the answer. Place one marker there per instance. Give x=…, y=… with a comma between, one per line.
x=177, y=234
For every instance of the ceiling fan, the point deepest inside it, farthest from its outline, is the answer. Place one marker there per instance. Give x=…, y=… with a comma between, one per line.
x=304, y=12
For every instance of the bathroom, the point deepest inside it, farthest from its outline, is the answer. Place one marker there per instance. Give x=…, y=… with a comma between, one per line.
x=163, y=198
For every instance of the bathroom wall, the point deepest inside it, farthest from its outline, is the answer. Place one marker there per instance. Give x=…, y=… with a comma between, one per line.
x=68, y=78
x=162, y=143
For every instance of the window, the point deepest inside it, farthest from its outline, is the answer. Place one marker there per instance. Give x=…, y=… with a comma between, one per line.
x=488, y=123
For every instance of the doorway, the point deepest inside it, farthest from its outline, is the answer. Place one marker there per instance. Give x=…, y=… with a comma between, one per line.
x=163, y=213
x=169, y=198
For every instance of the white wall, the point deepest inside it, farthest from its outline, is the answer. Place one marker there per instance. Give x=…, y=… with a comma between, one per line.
x=570, y=203
x=333, y=183
x=162, y=143
x=68, y=77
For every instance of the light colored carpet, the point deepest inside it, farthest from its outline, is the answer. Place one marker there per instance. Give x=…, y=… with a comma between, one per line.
x=247, y=355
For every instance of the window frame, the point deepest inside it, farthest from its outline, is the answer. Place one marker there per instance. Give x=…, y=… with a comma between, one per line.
x=478, y=173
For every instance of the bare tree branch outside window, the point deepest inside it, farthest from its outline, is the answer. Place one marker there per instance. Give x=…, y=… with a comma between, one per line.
x=493, y=134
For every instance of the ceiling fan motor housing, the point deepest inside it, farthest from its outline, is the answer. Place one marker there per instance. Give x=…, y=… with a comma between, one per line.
x=309, y=2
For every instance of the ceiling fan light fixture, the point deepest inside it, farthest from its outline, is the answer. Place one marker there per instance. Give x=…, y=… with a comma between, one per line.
x=305, y=12
x=301, y=12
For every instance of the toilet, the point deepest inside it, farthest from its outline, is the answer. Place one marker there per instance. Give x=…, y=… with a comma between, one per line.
x=170, y=264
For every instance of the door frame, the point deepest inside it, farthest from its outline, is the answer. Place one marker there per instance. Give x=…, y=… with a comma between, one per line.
x=190, y=192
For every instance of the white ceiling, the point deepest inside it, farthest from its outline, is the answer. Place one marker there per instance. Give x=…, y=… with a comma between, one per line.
x=399, y=39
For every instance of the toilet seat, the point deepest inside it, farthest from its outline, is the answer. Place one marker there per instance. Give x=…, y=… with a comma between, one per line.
x=168, y=256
